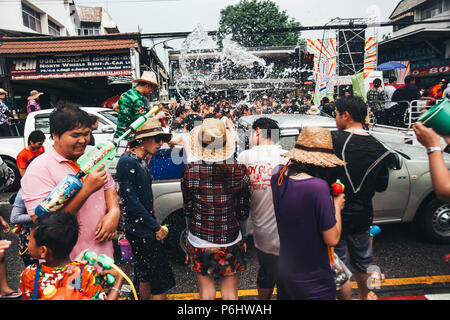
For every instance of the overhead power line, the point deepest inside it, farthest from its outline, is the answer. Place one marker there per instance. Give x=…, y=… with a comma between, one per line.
x=301, y=28
x=214, y=33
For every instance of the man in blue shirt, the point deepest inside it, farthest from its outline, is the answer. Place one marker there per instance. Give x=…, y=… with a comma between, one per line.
x=142, y=230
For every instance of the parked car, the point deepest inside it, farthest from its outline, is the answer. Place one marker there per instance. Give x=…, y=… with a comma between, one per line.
x=40, y=120
x=408, y=198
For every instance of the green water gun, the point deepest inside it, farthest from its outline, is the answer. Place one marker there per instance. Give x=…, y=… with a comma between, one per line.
x=104, y=153
x=107, y=263
x=101, y=154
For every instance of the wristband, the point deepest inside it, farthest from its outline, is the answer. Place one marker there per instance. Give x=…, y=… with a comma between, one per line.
x=433, y=149
x=115, y=289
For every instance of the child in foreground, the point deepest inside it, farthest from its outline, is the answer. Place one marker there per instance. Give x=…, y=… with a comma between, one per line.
x=52, y=238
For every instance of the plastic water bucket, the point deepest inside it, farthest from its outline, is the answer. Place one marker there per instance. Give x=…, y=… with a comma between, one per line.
x=438, y=117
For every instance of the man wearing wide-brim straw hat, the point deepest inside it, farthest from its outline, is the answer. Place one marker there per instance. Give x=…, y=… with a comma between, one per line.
x=132, y=103
x=33, y=101
x=152, y=267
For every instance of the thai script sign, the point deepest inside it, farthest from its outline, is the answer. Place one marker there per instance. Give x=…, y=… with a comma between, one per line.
x=57, y=67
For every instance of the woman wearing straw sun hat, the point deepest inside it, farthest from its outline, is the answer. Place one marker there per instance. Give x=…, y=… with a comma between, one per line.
x=308, y=219
x=33, y=101
x=216, y=193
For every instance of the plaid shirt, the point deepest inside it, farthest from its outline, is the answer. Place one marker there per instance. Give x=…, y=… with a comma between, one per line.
x=375, y=99
x=214, y=208
x=131, y=105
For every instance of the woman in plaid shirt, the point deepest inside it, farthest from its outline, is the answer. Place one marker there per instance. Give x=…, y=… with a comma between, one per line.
x=216, y=196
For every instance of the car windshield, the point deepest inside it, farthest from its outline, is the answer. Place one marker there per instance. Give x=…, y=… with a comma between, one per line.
x=110, y=115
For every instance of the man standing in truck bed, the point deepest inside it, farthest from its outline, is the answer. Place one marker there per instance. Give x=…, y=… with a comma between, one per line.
x=133, y=104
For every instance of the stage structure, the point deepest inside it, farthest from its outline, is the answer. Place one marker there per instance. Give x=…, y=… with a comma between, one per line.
x=342, y=53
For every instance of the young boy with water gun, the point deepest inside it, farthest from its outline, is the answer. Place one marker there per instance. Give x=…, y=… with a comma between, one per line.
x=52, y=238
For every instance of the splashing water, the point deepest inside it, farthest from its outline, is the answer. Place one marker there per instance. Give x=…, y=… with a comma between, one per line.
x=200, y=64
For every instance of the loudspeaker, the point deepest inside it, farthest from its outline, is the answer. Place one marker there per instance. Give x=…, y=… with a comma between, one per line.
x=351, y=45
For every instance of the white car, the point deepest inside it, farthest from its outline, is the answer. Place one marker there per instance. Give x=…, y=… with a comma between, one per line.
x=408, y=198
x=40, y=120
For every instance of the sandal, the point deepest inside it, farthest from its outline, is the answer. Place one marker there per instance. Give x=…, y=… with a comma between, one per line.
x=378, y=276
x=15, y=294
x=371, y=296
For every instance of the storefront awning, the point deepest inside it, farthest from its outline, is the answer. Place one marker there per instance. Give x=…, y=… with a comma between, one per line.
x=35, y=58
x=36, y=46
x=414, y=37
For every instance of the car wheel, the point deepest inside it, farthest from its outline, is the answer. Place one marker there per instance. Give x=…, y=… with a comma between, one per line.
x=14, y=175
x=435, y=221
x=175, y=242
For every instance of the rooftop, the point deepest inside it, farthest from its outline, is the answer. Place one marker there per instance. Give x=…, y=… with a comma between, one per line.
x=52, y=45
x=404, y=6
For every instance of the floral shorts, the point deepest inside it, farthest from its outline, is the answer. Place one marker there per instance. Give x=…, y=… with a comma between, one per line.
x=216, y=262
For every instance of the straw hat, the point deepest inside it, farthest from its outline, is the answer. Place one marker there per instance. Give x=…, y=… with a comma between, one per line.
x=314, y=146
x=34, y=94
x=211, y=141
x=149, y=77
x=150, y=128
x=3, y=91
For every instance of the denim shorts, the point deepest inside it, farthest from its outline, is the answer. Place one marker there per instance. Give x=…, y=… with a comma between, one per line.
x=355, y=250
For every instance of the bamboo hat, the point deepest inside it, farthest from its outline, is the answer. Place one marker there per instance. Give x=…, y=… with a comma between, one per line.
x=211, y=141
x=34, y=94
x=149, y=77
x=150, y=128
x=314, y=146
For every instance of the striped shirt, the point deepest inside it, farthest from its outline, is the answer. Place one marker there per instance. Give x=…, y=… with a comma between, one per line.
x=215, y=200
x=132, y=104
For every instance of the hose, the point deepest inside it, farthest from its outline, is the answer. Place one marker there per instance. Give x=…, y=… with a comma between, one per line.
x=115, y=267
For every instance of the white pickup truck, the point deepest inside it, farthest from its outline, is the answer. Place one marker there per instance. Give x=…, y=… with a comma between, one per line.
x=39, y=120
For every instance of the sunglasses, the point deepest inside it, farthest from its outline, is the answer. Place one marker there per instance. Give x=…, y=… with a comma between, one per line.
x=160, y=137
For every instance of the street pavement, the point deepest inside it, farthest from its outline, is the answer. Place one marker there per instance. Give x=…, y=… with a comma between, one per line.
x=409, y=285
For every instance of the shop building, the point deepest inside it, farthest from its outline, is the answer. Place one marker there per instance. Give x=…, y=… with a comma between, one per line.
x=56, y=18
x=81, y=69
x=425, y=46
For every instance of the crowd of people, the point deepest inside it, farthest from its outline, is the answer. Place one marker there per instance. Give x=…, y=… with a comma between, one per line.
x=301, y=229
x=390, y=105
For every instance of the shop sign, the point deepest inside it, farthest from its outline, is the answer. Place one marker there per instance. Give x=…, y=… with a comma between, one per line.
x=430, y=71
x=58, y=67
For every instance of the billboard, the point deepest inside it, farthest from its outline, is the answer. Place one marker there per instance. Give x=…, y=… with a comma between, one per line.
x=60, y=67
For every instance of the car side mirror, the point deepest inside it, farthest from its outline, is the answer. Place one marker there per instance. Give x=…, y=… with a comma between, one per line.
x=394, y=161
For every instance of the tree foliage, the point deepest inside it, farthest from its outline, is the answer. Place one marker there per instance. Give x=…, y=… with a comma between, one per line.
x=247, y=20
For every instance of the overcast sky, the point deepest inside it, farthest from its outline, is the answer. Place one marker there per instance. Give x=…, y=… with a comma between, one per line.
x=185, y=15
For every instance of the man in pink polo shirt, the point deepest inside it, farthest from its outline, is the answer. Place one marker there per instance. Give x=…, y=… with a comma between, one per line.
x=96, y=203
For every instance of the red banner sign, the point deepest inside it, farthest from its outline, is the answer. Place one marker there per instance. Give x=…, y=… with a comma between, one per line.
x=430, y=71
